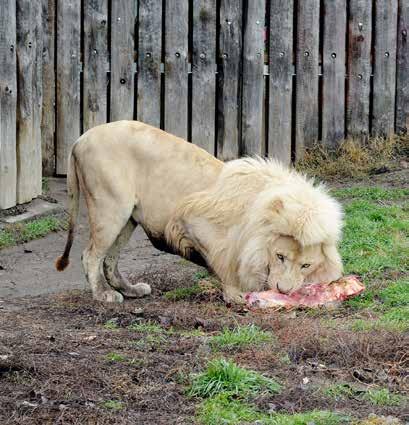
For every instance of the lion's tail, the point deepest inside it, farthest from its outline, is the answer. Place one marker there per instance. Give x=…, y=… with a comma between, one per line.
x=73, y=206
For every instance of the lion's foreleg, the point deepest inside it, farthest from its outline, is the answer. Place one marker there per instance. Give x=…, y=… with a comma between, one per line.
x=184, y=243
x=233, y=295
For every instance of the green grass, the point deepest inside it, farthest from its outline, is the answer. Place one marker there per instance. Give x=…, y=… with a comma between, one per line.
x=375, y=246
x=396, y=294
x=150, y=342
x=371, y=194
x=115, y=357
x=375, y=239
x=339, y=391
x=221, y=410
x=111, y=324
x=14, y=234
x=113, y=405
x=146, y=327
x=240, y=337
x=224, y=376
x=379, y=397
x=183, y=293
x=383, y=397
x=45, y=185
x=202, y=274
x=154, y=338
x=390, y=305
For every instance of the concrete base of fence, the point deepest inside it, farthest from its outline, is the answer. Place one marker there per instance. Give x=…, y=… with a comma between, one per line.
x=35, y=209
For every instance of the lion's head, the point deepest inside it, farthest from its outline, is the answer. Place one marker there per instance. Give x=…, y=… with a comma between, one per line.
x=290, y=265
x=288, y=232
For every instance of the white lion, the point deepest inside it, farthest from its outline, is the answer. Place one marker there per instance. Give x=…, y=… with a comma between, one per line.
x=254, y=222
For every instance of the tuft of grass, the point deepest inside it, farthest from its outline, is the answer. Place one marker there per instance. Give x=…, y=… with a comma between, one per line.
x=14, y=234
x=395, y=320
x=115, y=357
x=114, y=405
x=239, y=337
x=146, y=327
x=183, y=293
x=224, y=376
x=202, y=274
x=111, y=324
x=221, y=410
x=340, y=391
x=379, y=397
x=383, y=397
x=45, y=185
x=353, y=157
x=150, y=342
x=7, y=239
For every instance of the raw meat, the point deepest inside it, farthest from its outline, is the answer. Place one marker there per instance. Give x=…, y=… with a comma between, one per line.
x=315, y=295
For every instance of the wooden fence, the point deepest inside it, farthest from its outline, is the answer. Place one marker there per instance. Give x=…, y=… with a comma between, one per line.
x=266, y=77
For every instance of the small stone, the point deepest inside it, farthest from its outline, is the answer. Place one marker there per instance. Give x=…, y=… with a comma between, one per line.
x=404, y=164
x=138, y=311
x=4, y=357
x=28, y=404
x=305, y=380
x=73, y=354
x=90, y=338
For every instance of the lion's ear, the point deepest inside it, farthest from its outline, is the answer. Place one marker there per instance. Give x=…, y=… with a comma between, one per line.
x=331, y=268
x=277, y=205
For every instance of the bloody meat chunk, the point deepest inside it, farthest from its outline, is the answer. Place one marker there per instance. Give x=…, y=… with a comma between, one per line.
x=315, y=295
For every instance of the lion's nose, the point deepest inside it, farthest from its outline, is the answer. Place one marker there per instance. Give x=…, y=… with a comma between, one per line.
x=282, y=291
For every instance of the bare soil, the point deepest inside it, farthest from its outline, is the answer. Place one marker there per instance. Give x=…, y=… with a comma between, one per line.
x=56, y=352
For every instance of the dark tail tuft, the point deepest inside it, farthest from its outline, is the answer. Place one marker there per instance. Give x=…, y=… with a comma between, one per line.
x=62, y=263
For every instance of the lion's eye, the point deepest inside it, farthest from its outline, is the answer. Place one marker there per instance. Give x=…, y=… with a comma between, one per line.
x=280, y=257
x=305, y=266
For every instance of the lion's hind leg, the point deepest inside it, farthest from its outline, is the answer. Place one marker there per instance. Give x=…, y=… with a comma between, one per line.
x=110, y=266
x=105, y=227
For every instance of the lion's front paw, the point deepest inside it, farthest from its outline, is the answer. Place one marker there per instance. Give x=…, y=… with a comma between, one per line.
x=233, y=296
x=139, y=290
x=109, y=297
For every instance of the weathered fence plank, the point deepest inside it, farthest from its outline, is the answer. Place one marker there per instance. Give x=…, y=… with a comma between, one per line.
x=384, y=84
x=176, y=67
x=359, y=67
x=229, y=82
x=122, y=82
x=308, y=18
x=149, y=62
x=29, y=82
x=48, y=116
x=68, y=81
x=8, y=102
x=95, y=62
x=281, y=76
x=402, y=83
x=204, y=74
x=253, y=128
x=334, y=71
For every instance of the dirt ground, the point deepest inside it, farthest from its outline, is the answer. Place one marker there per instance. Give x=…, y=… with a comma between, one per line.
x=69, y=360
